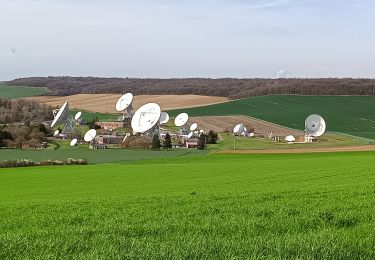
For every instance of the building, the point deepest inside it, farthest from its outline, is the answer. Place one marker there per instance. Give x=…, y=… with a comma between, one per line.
x=109, y=139
x=191, y=143
x=111, y=125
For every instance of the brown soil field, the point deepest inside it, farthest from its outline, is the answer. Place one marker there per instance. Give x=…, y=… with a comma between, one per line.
x=105, y=103
x=304, y=150
x=227, y=123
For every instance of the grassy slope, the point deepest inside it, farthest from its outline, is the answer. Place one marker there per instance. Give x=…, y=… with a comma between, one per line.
x=282, y=206
x=19, y=91
x=346, y=114
x=328, y=140
x=92, y=156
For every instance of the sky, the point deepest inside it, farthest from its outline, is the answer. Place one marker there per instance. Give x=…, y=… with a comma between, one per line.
x=187, y=38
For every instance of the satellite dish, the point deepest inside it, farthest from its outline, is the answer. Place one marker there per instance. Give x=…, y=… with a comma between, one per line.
x=146, y=117
x=190, y=134
x=193, y=127
x=315, y=125
x=73, y=142
x=201, y=131
x=90, y=135
x=78, y=115
x=181, y=119
x=238, y=129
x=56, y=132
x=251, y=134
x=62, y=115
x=164, y=118
x=124, y=102
x=290, y=138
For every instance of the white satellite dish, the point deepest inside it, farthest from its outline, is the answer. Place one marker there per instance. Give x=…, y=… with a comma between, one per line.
x=190, y=134
x=90, y=135
x=181, y=119
x=315, y=125
x=290, y=138
x=73, y=142
x=62, y=115
x=146, y=117
x=201, y=131
x=164, y=118
x=124, y=102
x=56, y=132
x=251, y=134
x=238, y=129
x=193, y=127
x=78, y=115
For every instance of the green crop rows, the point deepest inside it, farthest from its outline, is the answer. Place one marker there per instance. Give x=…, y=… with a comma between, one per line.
x=352, y=115
x=307, y=206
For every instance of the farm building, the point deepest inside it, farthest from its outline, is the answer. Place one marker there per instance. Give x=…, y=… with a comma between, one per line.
x=108, y=139
x=111, y=125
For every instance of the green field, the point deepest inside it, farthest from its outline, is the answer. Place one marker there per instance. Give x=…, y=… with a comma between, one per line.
x=352, y=115
x=20, y=91
x=93, y=156
x=244, y=143
x=310, y=206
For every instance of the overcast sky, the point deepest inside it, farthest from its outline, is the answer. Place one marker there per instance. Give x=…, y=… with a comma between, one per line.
x=192, y=38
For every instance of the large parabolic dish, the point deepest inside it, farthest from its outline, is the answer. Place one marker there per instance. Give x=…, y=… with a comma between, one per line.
x=315, y=125
x=124, y=102
x=62, y=115
x=146, y=117
x=181, y=119
x=164, y=118
x=238, y=129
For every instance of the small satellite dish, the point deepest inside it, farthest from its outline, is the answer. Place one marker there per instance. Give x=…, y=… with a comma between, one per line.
x=164, y=118
x=62, y=115
x=73, y=142
x=190, y=134
x=90, y=135
x=146, y=117
x=56, y=132
x=315, y=125
x=290, y=138
x=124, y=102
x=201, y=131
x=78, y=115
x=181, y=119
x=251, y=134
x=193, y=127
x=238, y=129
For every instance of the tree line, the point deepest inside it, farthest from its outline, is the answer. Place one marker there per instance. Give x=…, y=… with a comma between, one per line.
x=225, y=87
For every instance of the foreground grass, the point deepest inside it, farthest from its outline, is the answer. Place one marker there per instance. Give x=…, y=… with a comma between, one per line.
x=312, y=206
x=351, y=115
x=19, y=91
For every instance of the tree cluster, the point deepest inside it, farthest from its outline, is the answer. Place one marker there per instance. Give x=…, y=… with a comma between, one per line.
x=12, y=111
x=17, y=136
x=226, y=87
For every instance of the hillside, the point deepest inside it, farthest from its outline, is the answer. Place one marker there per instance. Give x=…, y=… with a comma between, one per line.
x=352, y=115
x=225, y=87
x=20, y=91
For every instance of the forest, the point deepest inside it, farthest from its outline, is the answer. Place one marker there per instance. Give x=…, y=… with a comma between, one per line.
x=12, y=111
x=226, y=87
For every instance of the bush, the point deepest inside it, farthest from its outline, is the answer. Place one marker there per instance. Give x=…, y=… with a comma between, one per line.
x=28, y=163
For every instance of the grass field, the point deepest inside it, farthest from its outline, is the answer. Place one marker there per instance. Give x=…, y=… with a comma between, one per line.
x=352, y=115
x=19, y=91
x=93, y=156
x=326, y=141
x=310, y=206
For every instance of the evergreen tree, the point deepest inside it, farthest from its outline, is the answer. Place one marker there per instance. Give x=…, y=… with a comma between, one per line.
x=212, y=137
x=201, y=145
x=167, y=141
x=155, y=142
